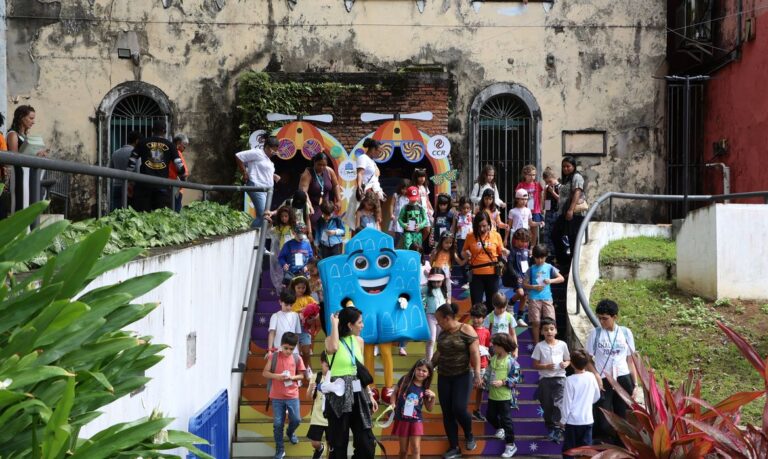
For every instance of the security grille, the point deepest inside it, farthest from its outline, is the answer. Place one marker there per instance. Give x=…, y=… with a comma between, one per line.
x=506, y=140
x=133, y=113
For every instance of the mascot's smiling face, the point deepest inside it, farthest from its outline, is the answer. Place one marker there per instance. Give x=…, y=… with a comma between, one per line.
x=373, y=275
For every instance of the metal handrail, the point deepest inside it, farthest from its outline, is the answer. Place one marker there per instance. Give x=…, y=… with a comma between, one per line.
x=581, y=297
x=35, y=163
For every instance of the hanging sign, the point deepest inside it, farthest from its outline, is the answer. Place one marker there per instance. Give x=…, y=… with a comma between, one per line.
x=449, y=176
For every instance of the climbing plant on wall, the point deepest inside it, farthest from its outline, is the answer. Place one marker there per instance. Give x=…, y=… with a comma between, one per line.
x=258, y=94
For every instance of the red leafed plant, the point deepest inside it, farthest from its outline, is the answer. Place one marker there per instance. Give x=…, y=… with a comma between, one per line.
x=679, y=425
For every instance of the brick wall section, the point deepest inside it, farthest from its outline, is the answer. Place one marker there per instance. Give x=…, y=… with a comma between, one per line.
x=383, y=93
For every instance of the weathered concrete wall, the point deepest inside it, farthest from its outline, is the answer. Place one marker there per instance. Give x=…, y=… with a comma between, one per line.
x=721, y=252
x=589, y=66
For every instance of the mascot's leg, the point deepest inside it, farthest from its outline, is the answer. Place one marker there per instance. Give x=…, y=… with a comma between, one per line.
x=386, y=359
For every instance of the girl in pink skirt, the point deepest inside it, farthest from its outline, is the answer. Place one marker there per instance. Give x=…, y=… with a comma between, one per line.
x=410, y=396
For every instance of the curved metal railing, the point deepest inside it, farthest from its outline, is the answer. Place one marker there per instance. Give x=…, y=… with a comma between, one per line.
x=581, y=297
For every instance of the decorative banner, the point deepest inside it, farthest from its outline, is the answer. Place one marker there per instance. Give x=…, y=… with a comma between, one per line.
x=384, y=153
x=439, y=147
x=347, y=171
x=303, y=135
x=449, y=176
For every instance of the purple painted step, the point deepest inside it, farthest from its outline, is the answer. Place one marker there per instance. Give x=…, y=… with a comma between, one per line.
x=525, y=447
x=267, y=306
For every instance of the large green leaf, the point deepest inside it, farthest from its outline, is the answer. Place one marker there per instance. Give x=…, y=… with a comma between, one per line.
x=57, y=433
x=22, y=249
x=17, y=224
x=25, y=307
x=108, y=445
x=110, y=262
x=90, y=354
x=134, y=287
x=75, y=263
x=34, y=375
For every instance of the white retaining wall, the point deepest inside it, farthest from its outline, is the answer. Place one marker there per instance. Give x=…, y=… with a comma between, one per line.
x=205, y=298
x=600, y=234
x=722, y=252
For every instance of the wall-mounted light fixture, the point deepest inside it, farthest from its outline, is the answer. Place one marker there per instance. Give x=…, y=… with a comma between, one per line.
x=128, y=46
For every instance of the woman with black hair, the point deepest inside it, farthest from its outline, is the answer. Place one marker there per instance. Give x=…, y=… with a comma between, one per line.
x=23, y=120
x=320, y=184
x=568, y=223
x=352, y=409
x=457, y=351
x=483, y=250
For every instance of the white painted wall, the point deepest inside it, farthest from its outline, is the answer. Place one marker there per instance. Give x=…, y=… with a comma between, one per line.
x=600, y=234
x=721, y=252
x=205, y=296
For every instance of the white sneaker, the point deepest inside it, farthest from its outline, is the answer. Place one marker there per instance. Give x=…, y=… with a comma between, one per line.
x=509, y=451
x=465, y=286
x=521, y=323
x=499, y=434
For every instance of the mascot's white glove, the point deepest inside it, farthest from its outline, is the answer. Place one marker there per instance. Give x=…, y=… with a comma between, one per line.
x=403, y=302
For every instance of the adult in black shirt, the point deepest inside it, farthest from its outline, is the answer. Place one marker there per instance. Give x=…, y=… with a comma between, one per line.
x=155, y=156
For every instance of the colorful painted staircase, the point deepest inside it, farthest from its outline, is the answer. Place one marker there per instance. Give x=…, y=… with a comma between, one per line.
x=253, y=435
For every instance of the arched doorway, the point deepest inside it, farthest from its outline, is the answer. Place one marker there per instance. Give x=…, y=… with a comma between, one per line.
x=130, y=106
x=505, y=131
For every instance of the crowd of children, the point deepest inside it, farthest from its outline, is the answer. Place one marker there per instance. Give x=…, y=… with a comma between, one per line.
x=439, y=233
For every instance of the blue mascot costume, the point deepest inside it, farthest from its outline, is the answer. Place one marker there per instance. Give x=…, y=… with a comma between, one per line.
x=384, y=284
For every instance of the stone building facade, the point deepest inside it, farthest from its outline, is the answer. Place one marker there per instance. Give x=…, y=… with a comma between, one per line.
x=580, y=74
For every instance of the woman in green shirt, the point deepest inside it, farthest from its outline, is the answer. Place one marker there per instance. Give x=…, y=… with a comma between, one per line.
x=353, y=409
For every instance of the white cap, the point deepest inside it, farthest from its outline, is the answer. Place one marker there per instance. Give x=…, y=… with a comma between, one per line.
x=521, y=193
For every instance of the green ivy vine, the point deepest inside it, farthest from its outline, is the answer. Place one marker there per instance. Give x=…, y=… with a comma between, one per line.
x=258, y=94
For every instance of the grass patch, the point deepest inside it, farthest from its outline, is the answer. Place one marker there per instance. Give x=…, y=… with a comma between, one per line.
x=677, y=332
x=639, y=249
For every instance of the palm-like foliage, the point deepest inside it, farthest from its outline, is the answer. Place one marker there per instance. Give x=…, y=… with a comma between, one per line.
x=679, y=425
x=64, y=355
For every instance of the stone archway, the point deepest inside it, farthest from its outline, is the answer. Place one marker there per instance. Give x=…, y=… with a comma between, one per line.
x=133, y=105
x=505, y=130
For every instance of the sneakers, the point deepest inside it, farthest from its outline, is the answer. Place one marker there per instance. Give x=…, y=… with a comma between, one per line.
x=499, y=434
x=465, y=286
x=452, y=454
x=403, y=352
x=471, y=444
x=521, y=323
x=280, y=454
x=293, y=439
x=555, y=435
x=509, y=451
x=319, y=452
x=479, y=416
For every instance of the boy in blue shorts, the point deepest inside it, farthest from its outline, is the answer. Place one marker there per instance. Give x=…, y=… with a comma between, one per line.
x=537, y=283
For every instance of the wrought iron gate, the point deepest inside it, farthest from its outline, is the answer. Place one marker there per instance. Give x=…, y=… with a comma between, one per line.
x=506, y=136
x=678, y=114
x=132, y=113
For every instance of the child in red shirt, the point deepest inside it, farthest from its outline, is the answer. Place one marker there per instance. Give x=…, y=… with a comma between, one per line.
x=478, y=313
x=284, y=390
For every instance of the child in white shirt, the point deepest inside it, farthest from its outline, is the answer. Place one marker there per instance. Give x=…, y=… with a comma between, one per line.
x=581, y=392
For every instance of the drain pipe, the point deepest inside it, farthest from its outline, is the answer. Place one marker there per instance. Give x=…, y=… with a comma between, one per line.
x=726, y=177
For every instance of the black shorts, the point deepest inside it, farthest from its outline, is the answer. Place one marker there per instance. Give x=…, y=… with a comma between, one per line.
x=316, y=432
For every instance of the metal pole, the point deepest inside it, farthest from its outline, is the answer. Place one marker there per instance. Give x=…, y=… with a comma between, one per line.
x=124, y=197
x=34, y=192
x=686, y=141
x=205, y=195
x=610, y=210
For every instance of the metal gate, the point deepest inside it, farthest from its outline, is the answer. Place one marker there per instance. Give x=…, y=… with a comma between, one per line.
x=678, y=115
x=133, y=113
x=212, y=424
x=506, y=137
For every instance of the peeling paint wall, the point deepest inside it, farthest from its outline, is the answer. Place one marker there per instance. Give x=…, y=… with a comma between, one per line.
x=588, y=64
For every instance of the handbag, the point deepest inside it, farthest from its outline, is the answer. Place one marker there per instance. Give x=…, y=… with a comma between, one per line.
x=581, y=206
x=498, y=265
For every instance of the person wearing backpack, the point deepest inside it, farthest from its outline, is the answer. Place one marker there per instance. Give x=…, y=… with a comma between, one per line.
x=611, y=347
x=284, y=372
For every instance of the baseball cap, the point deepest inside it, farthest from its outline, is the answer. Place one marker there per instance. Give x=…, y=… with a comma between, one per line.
x=521, y=193
x=413, y=193
x=437, y=277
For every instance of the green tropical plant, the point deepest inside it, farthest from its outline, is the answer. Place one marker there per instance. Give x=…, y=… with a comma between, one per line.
x=680, y=425
x=160, y=228
x=64, y=354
